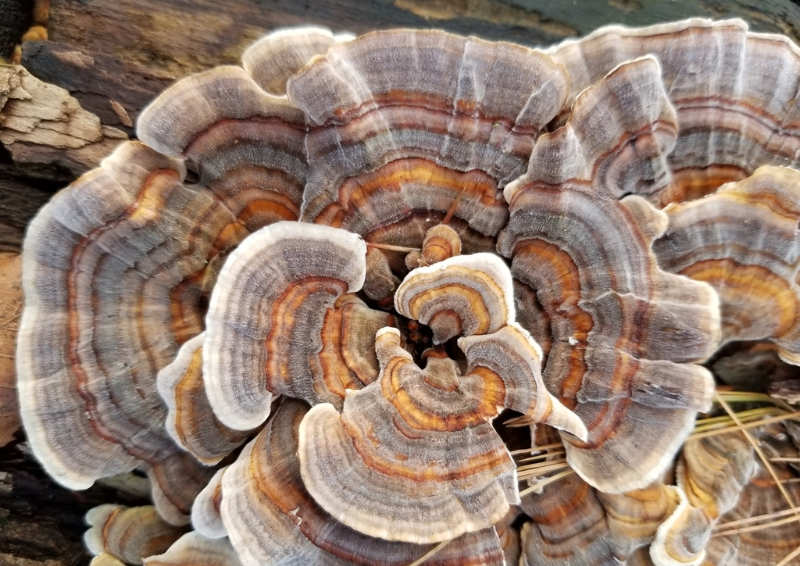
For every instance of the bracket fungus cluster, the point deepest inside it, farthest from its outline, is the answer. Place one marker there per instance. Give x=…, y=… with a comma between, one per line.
x=301, y=301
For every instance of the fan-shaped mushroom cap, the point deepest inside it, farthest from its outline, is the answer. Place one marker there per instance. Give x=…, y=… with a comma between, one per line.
x=568, y=527
x=462, y=295
x=579, y=525
x=732, y=90
x=634, y=517
x=440, y=243
x=128, y=533
x=193, y=549
x=410, y=125
x=268, y=321
x=174, y=483
x=683, y=537
x=206, y=517
x=711, y=473
x=107, y=307
x=278, y=55
x=138, y=254
x=472, y=295
x=623, y=329
x=508, y=363
x=617, y=136
x=190, y=421
x=411, y=457
x=271, y=516
x=744, y=241
x=348, y=351
x=246, y=145
x=761, y=497
x=509, y=537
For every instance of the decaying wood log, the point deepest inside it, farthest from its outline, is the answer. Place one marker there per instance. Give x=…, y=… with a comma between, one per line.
x=41, y=123
x=15, y=17
x=10, y=311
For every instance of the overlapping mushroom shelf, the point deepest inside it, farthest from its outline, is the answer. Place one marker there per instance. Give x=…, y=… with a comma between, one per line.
x=302, y=299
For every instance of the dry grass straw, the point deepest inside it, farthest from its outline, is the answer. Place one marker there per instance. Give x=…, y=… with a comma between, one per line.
x=538, y=464
x=428, y=555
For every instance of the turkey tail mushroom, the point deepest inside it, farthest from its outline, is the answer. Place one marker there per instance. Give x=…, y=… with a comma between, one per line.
x=411, y=457
x=190, y=421
x=762, y=501
x=462, y=295
x=206, y=509
x=625, y=333
x=271, y=516
x=733, y=91
x=245, y=145
x=568, y=527
x=711, y=474
x=274, y=58
x=107, y=308
x=509, y=362
x=268, y=328
x=618, y=134
x=411, y=127
x=744, y=241
x=193, y=549
x=128, y=533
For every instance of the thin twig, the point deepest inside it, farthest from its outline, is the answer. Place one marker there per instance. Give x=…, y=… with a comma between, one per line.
x=789, y=557
x=710, y=422
x=546, y=481
x=430, y=554
x=539, y=457
x=745, y=397
x=518, y=422
x=761, y=527
x=542, y=468
x=392, y=248
x=784, y=417
x=757, y=448
x=542, y=448
x=754, y=519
